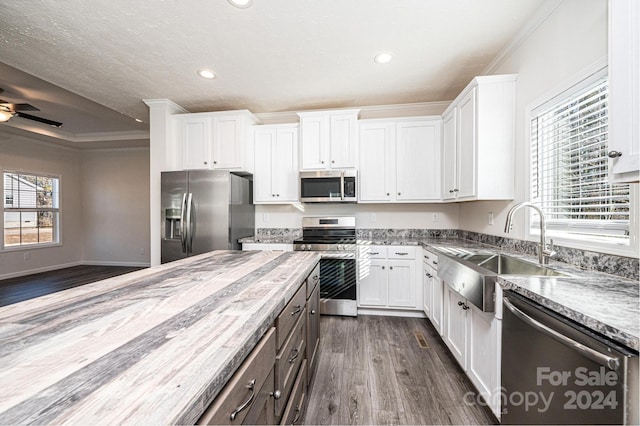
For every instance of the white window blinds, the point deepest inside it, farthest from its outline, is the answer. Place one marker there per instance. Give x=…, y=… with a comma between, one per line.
x=569, y=166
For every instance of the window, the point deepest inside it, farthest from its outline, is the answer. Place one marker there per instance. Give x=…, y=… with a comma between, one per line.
x=31, y=209
x=569, y=167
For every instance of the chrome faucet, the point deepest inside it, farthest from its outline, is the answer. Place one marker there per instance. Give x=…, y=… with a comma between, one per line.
x=544, y=251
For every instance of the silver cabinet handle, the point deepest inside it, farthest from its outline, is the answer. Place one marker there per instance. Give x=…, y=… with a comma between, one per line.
x=251, y=386
x=402, y=253
x=296, y=310
x=429, y=275
x=465, y=307
x=294, y=355
x=276, y=395
x=373, y=254
x=297, y=418
x=313, y=312
x=460, y=303
x=614, y=154
x=611, y=362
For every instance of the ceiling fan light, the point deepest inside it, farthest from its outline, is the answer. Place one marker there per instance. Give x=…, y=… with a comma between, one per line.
x=241, y=4
x=383, y=58
x=5, y=116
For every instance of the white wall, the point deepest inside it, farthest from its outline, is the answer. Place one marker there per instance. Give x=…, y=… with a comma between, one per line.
x=370, y=216
x=570, y=40
x=28, y=155
x=115, y=201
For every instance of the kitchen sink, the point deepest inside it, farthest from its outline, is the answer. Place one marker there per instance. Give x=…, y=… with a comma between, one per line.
x=507, y=265
x=474, y=274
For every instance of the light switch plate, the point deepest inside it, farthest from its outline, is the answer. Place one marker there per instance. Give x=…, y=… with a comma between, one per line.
x=435, y=217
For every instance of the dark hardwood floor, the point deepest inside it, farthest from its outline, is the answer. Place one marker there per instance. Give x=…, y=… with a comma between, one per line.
x=388, y=370
x=14, y=290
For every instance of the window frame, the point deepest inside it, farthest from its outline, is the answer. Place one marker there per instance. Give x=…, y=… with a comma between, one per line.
x=565, y=89
x=57, y=230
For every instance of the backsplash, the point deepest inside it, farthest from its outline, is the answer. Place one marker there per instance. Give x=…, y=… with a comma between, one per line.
x=626, y=267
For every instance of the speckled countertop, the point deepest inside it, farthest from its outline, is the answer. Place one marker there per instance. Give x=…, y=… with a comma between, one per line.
x=150, y=347
x=605, y=303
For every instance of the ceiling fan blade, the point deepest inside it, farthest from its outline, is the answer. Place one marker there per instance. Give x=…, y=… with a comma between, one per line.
x=24, y=107
x=39, y=119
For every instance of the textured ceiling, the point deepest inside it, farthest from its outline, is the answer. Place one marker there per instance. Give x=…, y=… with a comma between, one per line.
x=278, y=55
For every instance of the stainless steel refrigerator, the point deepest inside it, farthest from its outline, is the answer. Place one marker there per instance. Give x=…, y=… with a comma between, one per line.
x=204, y=210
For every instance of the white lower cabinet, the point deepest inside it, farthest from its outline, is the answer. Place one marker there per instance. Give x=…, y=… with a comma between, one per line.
x=389, y=277
x=474, y=339
x=432, y=291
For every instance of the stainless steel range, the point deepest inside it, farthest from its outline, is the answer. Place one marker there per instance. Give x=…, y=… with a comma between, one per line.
x=335, y=239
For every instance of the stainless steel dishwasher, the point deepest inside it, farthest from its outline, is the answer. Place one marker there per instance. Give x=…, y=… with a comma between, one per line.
x=555, y=371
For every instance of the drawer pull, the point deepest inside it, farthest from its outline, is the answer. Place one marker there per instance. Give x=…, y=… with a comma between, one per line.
x=251, y=386
x=429, y=276
x=296, y=310
x=313, y=312
x=402, y=253
x=297, y=418
x=315, y=278
x=294, y=355
x=373, y=254
x=435, y=262
x=460, y=303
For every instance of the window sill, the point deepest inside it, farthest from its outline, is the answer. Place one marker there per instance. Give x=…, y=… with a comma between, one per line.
x=588, y=244
x=29, y=247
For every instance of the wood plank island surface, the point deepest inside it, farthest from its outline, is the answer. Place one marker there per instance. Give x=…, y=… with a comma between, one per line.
x=150, y=347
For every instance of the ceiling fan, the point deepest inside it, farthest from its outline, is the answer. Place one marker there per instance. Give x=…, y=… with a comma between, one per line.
x=9, y=110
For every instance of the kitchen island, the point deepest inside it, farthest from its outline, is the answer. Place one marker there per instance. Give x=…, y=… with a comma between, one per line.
x=151, y=347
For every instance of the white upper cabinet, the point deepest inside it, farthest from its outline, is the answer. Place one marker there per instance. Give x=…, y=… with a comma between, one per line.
x=276, y=167
x=216, y=140
x=328, y=140
x=478, y=141
x=400, y=160
x=624, y=90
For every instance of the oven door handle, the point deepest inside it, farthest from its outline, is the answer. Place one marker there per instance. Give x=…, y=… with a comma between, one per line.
x=612, y=363
x=345, y=256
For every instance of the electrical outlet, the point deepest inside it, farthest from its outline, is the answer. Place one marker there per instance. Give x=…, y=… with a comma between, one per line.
x=374, y=217
x=435, y=217
x=490, y=218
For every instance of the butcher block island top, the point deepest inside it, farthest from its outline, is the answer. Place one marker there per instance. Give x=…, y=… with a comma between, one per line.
x=151, y=347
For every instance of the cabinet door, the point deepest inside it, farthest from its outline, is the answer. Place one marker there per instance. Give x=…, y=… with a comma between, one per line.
x=372, y=282
x=624, y=89
x=313, y=332
x=449, y=148
x=265, y=141
x=314, y=137
x=285, y=165
x=343, y=140
x=196, y=143
x=402, y=284
x=262, y=411
x=428, y=278
x=455, y=333
x=483, y=357
x=377, y=154
x=227, y=143
x=466, y=147
x=418, y=160
x=437, y=306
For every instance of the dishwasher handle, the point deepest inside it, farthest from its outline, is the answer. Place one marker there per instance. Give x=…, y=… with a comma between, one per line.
x=612, y=363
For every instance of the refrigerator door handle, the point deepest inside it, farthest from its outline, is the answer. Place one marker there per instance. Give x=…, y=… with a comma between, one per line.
x=189, y=236
x=183, y=227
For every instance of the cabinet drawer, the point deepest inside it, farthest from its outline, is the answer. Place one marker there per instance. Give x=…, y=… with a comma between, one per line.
x=294, y=412
x=372, y=252
x=401, y=252
x=236, y=398
x=288, y=362
x=290, y=315
x=430, y=258
x=313, y=279
x=262, y=411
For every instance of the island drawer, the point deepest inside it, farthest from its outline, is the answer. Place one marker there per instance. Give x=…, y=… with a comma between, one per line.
x=236, y=399
x=288, y=361
x=290, y=315
x=294, y=412
x=313, y=279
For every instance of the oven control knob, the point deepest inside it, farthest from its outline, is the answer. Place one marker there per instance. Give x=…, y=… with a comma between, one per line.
x=340, y=247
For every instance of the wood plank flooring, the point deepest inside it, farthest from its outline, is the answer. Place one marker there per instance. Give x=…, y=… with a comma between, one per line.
x=373, y=370
x=14, y=290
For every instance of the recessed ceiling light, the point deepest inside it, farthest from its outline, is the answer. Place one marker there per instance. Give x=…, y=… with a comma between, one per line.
x=241, y=4
x=206, y=74
x=382, y=58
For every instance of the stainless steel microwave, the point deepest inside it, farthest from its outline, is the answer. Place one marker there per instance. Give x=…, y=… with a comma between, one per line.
x=328, y=186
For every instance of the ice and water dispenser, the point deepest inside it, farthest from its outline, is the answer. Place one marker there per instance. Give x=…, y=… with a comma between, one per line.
x=172, y=224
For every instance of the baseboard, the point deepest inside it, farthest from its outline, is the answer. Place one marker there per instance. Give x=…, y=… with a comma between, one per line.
x=391, y=313
x=71, y=264
x=103, y=263
x=38, y=270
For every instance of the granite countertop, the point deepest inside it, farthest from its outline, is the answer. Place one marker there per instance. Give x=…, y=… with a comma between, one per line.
x=150, y=347
x=268, y=239
x=607, y=304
